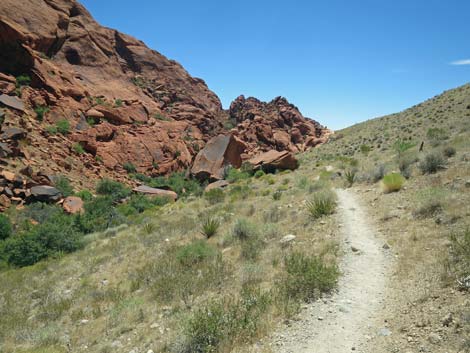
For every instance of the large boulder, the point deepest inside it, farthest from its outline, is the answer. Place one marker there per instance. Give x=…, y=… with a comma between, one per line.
x=219, y=184
x=272, y=160
x=12, y=102
x=220, y=152
x=73, y=205
x=149, y=191
x=45, y=193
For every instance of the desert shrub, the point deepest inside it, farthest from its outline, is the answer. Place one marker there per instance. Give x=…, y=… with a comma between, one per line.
x=306, y=277
x=78, y=149
x=63, y=126
x=225, y=322
x=177, y=182
x=365, y=149
x=322, y=204
x=99, y=215
x=85, y=195
x=24, y=250
x=259, y=173
x=113, y=189
x=432, y=163
x=129, y=167
x=251, y=248
x=214, y=196
x=392, y=182
x=39, y=212
x=238, y=192
x=41, y=111
x=5, y=227
x=460, y=253
x=209, y=226
x=270, y=180
x=23, y=80
x=350, y=176
x=233, y=175
x=277, y=195
x=195, y=253
x=63, y=185
x=436, y=135
x=318, y=185
x=139, y=203
x=449, y=151
x=51, y=129
x=377, y=173
x=118, y=102
x=404, y=165
x=58, y=234
x=243, y=229
x=171, y=278
x=430, y=203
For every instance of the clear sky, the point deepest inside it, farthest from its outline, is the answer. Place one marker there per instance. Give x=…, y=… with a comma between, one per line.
x=339, y=61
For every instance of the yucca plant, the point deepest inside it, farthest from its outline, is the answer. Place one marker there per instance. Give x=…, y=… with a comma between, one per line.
x=350, y=176
x=322, y=204
x=209, y=226
x=149, y=228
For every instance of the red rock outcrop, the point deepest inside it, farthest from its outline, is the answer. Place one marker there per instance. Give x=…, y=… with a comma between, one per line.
x=277, y=124
x=125, y=103
x=274, y=160
x=220, y=152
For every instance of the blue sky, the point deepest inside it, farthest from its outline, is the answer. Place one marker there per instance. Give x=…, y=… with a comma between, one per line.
x=339, y=61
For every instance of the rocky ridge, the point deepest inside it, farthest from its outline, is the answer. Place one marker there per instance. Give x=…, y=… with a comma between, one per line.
x=125, y=106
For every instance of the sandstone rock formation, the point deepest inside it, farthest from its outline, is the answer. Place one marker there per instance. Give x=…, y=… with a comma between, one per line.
x=275, y=125
x=147, y=190
x=274, y=160
x=220, y=152
x=125, y=103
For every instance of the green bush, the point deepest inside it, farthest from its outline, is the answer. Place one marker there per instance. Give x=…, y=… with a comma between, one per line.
x=5, y=227
x=214, y=196
x=63, y=185
x=118, y=103
x=277, y=195
x=432, y=163
x=129, y=167
x=460, y=253
x=252, y=247
x=78, y=149
x=220, y=323
x=99, y=215
x=436, y=135
x=51, y=129
x=113, y=189
x=176, y=182
x=233, y=175
x=259, y=173
x=57, y=234
x=63, y=126
x=404, y=165
x=243, y=229
x=449, y=151
x=209, y=226
x=24, y=250
x=23, y=80
x=195, y=253
x=400, y=146
x=85, y=195
x=322, y=204
x=39, y=212
x=306, y=277
x=392, y=182
x=365, y=149
x=41, y=111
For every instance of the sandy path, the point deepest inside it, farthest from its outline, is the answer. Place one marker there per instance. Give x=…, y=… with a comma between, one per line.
x=348, y=319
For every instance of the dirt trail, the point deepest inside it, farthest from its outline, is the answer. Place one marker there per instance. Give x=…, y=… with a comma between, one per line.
x=349, y=318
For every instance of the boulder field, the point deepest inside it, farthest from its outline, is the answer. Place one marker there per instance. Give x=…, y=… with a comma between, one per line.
x=89, y=102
